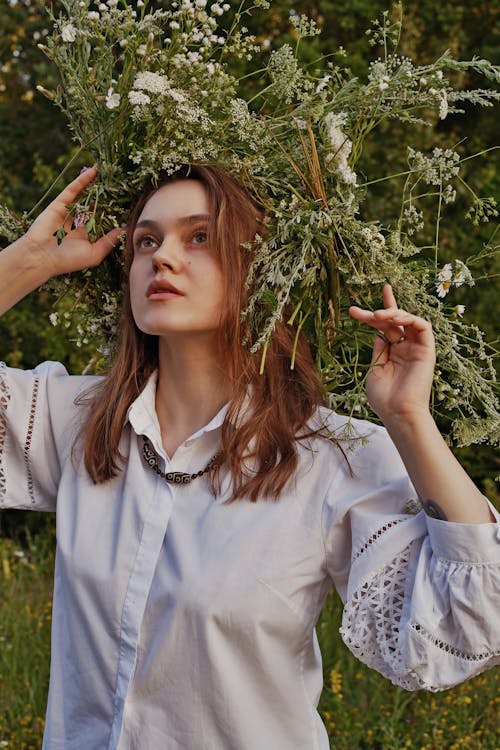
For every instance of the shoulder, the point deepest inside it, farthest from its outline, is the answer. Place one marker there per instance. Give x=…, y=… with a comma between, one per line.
x=60, y=382
x=48, y=388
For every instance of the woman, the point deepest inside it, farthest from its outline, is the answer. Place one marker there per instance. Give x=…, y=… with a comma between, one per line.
x=206, y=510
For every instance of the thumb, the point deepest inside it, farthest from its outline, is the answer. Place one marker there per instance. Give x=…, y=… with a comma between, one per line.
x=105, y=244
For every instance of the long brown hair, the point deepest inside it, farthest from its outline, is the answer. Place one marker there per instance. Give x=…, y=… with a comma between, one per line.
x=264, y=436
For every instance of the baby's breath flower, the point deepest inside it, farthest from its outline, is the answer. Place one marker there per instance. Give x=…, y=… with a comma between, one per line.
x=68, y=33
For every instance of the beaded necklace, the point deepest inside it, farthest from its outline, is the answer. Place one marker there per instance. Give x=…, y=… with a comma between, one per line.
x=177, y=477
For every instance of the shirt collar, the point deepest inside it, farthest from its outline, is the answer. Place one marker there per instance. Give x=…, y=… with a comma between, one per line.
x=144, y=421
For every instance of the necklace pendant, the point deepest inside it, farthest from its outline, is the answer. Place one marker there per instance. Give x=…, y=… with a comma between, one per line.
x=177, y=477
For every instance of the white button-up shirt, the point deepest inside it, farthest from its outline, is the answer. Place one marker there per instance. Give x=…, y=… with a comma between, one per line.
x=181, y=622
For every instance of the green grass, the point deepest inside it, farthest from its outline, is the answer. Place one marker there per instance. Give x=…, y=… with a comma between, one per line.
x=362, y=710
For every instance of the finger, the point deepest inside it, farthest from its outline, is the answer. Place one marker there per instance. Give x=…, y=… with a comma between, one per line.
x=388, y=298
x=105, y=244
x=376, y=318
x=76, y=186
x=72, y=191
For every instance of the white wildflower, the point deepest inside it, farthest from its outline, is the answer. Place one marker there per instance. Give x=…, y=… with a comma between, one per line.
x=138, y=98
x=340, y=147
x=462, y=274
x=54, y=318
x=443, y=288
x=439, y=167
x=414, y=219
x=444, y=278
x=449, y=194
x=459, y=310
x=443, y=104
x=449, y=276
x=152, y=82
x=112, y=99
x=93, y=15
x=68, y=33
x=323, y=83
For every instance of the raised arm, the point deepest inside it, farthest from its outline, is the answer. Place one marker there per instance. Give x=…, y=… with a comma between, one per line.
x=398, y=390
x=36, y=257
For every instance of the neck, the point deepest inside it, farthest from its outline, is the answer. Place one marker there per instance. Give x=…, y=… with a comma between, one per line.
x=192, y=388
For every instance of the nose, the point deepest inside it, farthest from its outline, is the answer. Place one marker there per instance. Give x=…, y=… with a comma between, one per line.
x=168, y=255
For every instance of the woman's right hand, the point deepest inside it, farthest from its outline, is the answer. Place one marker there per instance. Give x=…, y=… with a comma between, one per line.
x=75, y=252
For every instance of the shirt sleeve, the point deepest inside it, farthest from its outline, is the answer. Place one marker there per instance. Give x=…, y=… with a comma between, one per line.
x=32, y=412
x=420, y=595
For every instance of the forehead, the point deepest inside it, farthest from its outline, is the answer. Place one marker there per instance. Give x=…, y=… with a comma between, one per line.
x=175, y=200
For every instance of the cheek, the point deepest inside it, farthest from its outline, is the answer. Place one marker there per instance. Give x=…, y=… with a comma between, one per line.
x=134, y=278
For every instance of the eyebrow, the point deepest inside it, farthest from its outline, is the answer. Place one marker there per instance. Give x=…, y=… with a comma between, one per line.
x=182, y=221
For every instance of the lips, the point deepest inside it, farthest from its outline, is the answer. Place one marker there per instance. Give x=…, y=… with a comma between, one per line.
x=161, y=289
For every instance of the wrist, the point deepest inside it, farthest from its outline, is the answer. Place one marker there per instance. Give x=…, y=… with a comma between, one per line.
x=33, y=260
x=409, y=421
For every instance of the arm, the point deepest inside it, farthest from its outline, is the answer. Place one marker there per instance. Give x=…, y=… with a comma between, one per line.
x=36, y=257
x=398, y=389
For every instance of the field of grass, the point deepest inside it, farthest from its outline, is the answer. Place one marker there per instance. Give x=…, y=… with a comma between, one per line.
x=362, y=710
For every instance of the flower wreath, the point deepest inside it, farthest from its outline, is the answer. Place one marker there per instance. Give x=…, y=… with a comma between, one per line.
x=146, y=90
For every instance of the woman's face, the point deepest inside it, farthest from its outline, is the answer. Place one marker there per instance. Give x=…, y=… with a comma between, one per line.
x=176, y=282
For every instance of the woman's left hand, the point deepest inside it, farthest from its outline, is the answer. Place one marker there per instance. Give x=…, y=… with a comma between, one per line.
x=399, y=383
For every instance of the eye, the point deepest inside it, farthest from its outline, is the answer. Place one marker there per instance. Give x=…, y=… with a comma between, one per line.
x=200, y=237
x=144, y=242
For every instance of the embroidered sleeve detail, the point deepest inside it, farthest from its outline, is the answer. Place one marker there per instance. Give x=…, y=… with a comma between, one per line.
x=29, y=437
x=375, y=536
x=371, y=620
x=476, y=657
x=4, y=401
